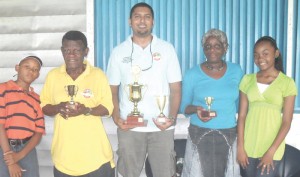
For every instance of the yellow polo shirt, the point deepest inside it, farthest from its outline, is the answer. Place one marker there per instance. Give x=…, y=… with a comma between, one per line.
x=80, y=144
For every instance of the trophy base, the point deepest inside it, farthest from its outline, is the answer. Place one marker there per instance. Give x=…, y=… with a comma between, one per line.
x=72, y=105
x=161, y=120
x=208, y=113
x=136, y=120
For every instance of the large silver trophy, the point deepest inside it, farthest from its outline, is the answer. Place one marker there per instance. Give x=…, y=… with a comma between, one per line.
x=209, y=113
x=135, y=95
x=71, y=91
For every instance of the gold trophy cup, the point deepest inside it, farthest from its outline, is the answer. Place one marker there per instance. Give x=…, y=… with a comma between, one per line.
x=135, y=95
x=209, y=112
x=161, y=102
x=71, y=91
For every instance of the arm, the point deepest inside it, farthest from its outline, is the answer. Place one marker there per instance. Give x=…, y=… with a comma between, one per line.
x=116, y=112
x=14, y=169
x=175, y=98
x=288, y=109
x=16, y=157
x=65, y=111
x=242, y=157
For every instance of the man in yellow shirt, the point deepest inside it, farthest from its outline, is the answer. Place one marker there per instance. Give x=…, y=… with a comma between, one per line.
x=80, y=145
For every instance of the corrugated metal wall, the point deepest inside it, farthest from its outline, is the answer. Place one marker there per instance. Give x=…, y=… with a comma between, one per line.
x=31, y=28
x=183, y=22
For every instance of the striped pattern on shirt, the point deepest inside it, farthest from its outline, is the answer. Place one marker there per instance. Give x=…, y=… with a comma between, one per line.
x=20, y=112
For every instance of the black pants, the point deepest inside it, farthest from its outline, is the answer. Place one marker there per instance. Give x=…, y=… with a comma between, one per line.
x=104, y=171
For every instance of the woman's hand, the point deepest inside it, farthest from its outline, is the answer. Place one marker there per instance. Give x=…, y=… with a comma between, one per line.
x=204, y=119
x=266, y=163
x=242, y=158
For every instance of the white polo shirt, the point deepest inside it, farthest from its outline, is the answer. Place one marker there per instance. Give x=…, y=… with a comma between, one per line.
x=161, y=67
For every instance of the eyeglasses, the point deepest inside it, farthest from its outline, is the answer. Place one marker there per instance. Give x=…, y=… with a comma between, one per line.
x=209, y=47
x=132, y=49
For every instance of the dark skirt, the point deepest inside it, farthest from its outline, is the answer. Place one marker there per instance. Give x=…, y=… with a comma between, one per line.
x=214, y=147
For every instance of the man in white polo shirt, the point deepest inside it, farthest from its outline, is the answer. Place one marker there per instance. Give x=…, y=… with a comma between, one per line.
x=153, y=63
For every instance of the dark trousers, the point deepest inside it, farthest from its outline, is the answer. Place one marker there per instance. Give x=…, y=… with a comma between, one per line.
x=104, y=171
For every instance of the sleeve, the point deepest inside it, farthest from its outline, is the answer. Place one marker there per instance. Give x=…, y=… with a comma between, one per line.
x=113, y=70
x=187, y=91
x=46, y=92
x=244, y=83
x=106, y=96
x=240, y=73
x=174, y=72
x=2, y=105
x=291, y=88
x=40, y=121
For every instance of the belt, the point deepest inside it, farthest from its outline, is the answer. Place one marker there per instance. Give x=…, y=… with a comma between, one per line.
x=15, y=142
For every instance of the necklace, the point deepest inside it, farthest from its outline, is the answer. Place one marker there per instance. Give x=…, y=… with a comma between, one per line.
x=220, y=68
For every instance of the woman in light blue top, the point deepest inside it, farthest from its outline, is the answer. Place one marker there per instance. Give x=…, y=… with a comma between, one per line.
x=211, y=137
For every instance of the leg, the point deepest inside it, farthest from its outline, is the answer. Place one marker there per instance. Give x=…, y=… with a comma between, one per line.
x=233, y=168
x=30, y=164
x=58, y=173
x=3, y=168
x=161, y=153
x=131, y=152
x=251, y=170
x=104, y=171
x=191, y=164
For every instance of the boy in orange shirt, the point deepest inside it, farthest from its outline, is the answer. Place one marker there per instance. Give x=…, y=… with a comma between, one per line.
x=21, y=122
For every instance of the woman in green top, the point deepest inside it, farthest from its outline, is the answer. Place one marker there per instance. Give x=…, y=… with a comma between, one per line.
x=266, y=109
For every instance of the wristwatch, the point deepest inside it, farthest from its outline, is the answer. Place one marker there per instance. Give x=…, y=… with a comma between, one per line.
x=89, y=112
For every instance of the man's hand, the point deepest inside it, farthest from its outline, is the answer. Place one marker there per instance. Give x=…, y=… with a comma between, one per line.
x=163, y=126
x=11, y=158
x=67, y=110
x=122, y=124
x=15, y=170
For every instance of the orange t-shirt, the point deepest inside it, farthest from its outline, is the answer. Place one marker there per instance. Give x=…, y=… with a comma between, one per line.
x=20, y=112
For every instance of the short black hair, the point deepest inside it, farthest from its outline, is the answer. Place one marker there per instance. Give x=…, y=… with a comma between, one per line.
x=35, y=57
x=141, y=4
x=75, y=36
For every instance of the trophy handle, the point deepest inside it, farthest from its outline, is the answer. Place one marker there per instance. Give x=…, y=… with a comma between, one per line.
x=145, y=89
x=66, y=89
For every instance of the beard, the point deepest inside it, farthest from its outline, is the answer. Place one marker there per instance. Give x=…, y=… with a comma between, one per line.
x=143, y=33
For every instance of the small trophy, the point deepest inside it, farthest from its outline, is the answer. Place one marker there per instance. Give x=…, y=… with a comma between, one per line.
x=161, y=102
x=209, y=112
x=135, y=95
x=71, y=91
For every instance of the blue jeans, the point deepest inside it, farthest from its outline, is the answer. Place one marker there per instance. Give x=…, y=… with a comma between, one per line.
x=253, y=171
x=29, y=163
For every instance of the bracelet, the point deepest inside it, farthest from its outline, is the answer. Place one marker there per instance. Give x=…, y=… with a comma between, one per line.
x=89, y=112
x=8, y=152
x=173, y=119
